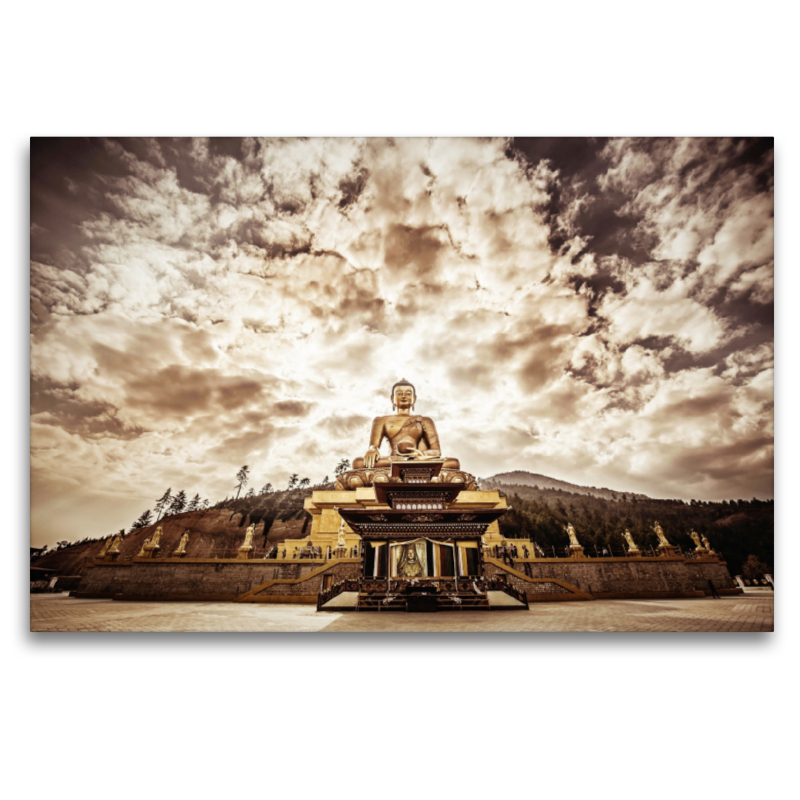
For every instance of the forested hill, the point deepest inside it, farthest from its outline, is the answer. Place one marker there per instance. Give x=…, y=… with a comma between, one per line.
x=522, y=478
x=214, y=532
x=735, y=529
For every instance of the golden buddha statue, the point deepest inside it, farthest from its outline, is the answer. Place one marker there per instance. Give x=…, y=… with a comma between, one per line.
x=411, y=437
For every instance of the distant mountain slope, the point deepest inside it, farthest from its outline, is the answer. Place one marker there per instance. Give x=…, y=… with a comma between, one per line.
x=522, y=478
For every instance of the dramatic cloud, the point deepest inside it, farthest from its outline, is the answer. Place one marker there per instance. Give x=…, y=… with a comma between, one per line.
x=596, y=310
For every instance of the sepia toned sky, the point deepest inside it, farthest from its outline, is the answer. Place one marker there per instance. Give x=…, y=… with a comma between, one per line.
x=599, y=311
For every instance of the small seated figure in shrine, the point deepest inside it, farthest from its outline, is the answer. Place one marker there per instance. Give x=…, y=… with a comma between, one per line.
x=411, y=437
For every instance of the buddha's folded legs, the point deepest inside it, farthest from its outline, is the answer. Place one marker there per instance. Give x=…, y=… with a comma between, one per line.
x=358, y=463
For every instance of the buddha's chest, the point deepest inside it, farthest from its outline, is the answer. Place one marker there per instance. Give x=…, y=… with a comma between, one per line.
x=410, y=428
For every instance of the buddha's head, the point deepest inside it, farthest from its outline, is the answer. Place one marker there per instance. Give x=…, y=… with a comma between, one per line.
x=404, y=395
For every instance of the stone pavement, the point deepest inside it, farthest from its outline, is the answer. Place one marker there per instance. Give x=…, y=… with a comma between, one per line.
x=753, y=611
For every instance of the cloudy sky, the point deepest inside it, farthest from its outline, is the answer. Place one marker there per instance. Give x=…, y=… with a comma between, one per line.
x=596, y=310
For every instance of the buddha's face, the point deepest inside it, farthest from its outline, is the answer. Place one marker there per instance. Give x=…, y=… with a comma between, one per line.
x=412, y=556
x=404, y=396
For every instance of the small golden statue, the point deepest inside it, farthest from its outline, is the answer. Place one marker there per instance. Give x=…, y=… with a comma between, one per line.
x=155, y=542
x=340, y=540
x=106, y=546
x=662, y=540
x=632, y=548
x=180, y=550
x=150, y=545
x=573, y=539
x=707, y=545
x=247, y=546
x=576, y=550
x=248, y=536
x=698, y=544
x=114, y=549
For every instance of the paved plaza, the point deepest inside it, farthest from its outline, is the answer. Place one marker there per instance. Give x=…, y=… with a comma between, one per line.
x=753, y=611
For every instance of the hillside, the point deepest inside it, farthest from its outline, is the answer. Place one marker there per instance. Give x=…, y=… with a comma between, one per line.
x=541, y=507
x=735, y=529
x=534, y=480
x=213, y=533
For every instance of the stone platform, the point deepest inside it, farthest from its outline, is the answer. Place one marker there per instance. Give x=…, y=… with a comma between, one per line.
x=753, y=611
x=301, y=581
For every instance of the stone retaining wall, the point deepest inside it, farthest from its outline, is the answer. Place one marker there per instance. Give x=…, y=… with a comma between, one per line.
x=213, y=580
x=620, y=577
x=301, y=581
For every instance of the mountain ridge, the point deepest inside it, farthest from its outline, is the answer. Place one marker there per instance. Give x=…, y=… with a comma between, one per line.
x=521, y=477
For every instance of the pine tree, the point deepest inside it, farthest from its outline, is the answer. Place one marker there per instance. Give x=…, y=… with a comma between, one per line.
x=205, y=504
x=178, y=503
x=293, y=481
x=162, y=503
x=143, y=521
x=194, y=504
x=243, y=476
x=304, y=483
x=250, y=492
x=266, y=489
x=342, y=466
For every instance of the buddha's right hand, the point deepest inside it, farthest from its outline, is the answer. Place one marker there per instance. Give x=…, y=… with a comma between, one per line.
x=371, y=457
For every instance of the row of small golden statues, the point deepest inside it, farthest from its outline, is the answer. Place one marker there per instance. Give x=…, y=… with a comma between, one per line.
x=152, y=544
x=702, y=545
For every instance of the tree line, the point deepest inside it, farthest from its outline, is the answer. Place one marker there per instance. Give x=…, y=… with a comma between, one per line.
x=736, y=529
x=169, y=504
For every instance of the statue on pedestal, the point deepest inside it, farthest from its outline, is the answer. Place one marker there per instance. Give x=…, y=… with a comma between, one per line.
x=113, y=551
x=664, y=547
x=180, y=550
x=247, y=546
x=340, y=540
x=632, y=548
x=662, y=540
x=106, y=546
x=155, y=542
x=699, y=549
x=406, y=434
x=574, y=545
x=151, y=544
x=573, y=539
x=411, y=438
